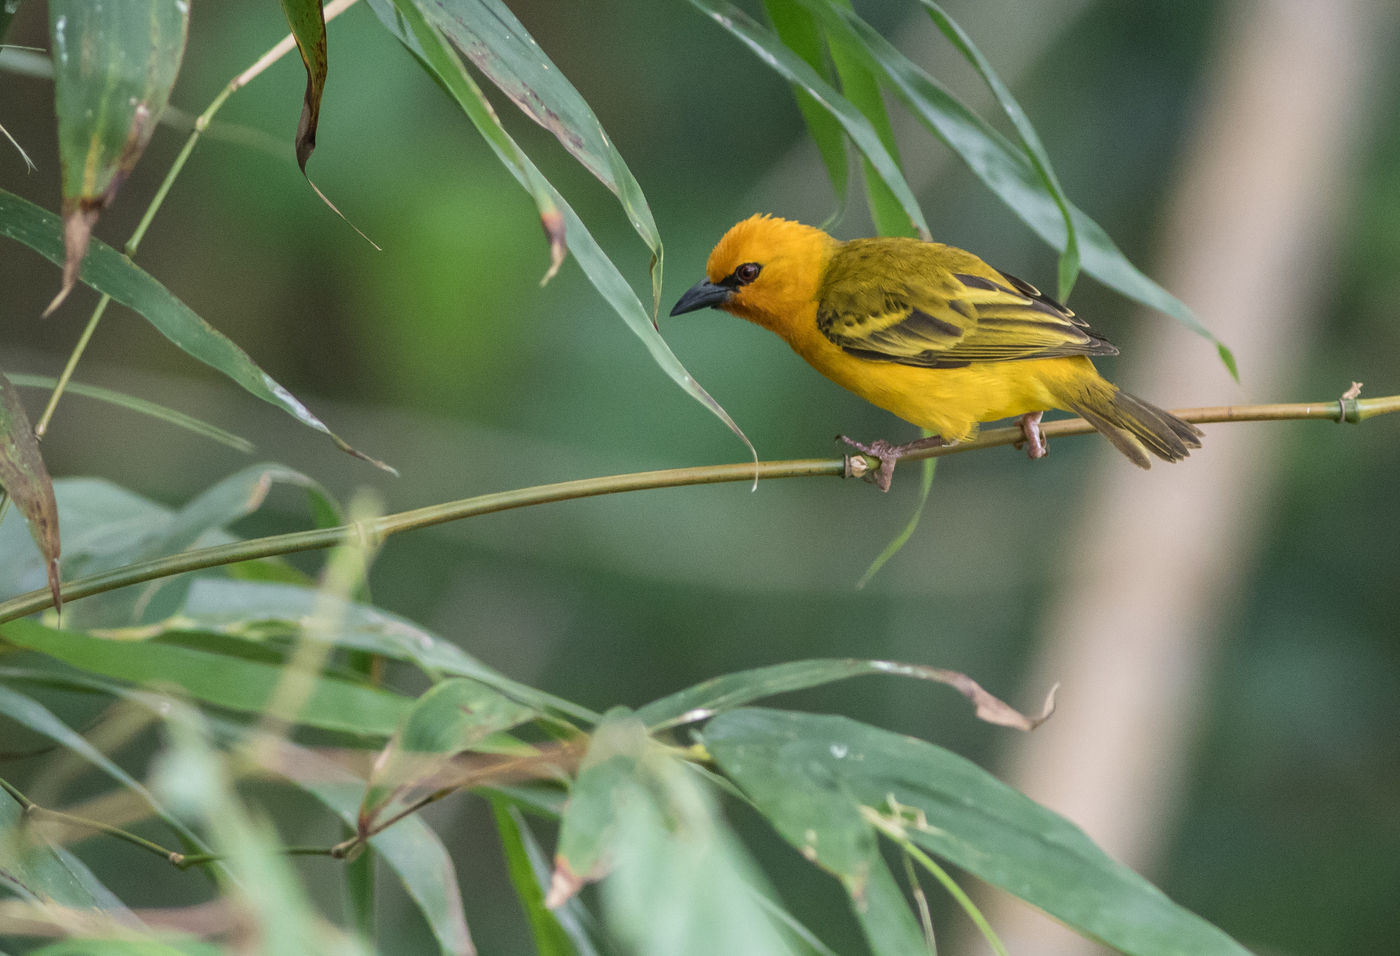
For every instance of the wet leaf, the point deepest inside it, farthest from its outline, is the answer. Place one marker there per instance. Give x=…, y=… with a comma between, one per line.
x=25, y=478
x=110, y=272
x=114, y=66
x=308, y=22
x=829, y=784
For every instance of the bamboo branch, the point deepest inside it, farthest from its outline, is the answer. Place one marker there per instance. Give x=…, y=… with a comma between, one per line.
x=1347, y=409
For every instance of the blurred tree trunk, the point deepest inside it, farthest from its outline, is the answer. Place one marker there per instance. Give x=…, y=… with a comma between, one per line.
x=1150, y=573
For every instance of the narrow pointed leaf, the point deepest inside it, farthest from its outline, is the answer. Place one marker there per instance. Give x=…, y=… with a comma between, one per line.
x=548, y=932
x=797, y=28
x=859, y=86
x=770, y=49
x=814, y=776
x=557, y=215
x=1035, y=150
x=110, y=272
x=114, y=66
x=1004, y=168
x=730, y=691
x=141, y=406
x=39, y=872
x=25, y=478
x=308, y=23
x=219, y=679
x=501, y=48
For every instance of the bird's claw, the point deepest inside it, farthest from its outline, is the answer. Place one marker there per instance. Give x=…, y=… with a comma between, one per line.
x=883, y=452
x=1034, y=441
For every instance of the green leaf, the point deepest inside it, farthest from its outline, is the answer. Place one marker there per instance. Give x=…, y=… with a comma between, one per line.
x=770, y=49
x=817, y=777
x=859, y=87
x=308, y=23
x=114, y=66
x=1035, y=150
x=25, y=478
x=162, y=413
x=889, y=925
x=1004, y=168
x=729, y=691
x=113, y=274
x=410, y=848
x=146, y=531
x=500, y=47
x=559, y=218
x=218, y=679
x=28, y=712
x=798, y=31
x=43, y=873
x=452, y=717
x=549, y=934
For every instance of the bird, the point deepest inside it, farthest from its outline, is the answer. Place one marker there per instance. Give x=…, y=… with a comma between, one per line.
x=928, y=332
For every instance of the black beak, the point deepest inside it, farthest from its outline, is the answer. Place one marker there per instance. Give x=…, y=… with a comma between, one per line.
x=704, y=294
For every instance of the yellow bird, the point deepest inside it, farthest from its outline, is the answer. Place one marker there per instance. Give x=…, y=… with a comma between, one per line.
x=930, y=333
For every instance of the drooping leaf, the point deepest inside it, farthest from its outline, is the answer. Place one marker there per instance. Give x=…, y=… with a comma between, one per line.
x=558, y=217
x=110, y=272
x=1035, y=150
x=25, y=478
x=154, y=410
x=501, y=48
x=729, y=691
x=798, y=30
x=1004, y=168
x=816, y=778
x=114, y=66
x=794, y=69
x=308, y=22
x=858, y=85
x=215, y=678
x=550, y=935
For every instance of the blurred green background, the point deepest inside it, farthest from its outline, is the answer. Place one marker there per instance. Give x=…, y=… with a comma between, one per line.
x=442, y=355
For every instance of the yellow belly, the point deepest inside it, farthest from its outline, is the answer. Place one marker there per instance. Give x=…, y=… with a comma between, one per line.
x=949, y=402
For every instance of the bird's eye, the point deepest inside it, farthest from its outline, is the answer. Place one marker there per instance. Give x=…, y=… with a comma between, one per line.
x=747, y=272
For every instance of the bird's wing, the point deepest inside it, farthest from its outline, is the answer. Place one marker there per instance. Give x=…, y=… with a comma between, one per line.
x=936, y=306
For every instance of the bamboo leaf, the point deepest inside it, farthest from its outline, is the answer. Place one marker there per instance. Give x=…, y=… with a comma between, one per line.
x=307, y=20
x=112, y=273
x=559, y=218
x=501, y=48
x=219, y=679
x=770, y=49
x=114, y=66
x=828, y=784
x=25, y=478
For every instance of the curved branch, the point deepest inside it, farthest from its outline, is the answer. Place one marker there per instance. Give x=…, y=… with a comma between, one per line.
x=1338, y=410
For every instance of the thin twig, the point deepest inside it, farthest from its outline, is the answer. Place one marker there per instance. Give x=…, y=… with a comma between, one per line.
x=1338, y=410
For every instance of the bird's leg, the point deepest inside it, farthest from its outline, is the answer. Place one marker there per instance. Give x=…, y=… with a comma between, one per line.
x=1036, y=446
x=887, y=455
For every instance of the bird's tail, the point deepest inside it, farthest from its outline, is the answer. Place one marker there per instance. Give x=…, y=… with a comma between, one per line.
x=1133, y=426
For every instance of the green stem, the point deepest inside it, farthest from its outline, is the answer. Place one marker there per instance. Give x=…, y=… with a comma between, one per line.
x=1349, y=410
x=956, y=892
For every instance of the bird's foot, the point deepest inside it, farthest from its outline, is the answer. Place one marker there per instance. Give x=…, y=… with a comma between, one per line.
x=1034, y=442
x=886, y=454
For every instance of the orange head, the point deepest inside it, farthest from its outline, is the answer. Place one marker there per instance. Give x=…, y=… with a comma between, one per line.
x=766, y=270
